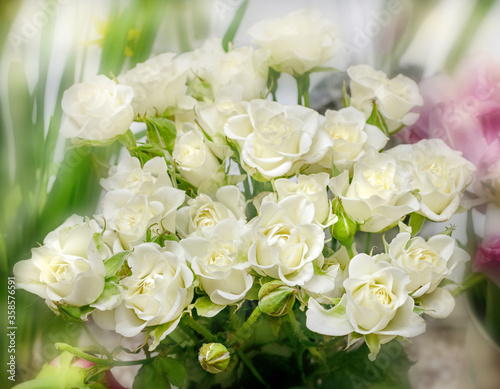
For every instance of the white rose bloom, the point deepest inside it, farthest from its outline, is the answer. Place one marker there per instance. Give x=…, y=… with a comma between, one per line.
x=300, y=41
x=213, y=116
x=97, y=110
x=351, y=136
x=244, y=67
x=220, y=260
x=129, y=174
x=395, y=98
x=203, y=213
x=158, y=83
x=194, y=159
x=326, y=284
x=131, y=214
x=277, y=140
x=158, y=290
x=427, y=263
x=376, y=304
x=67, y=269
x=440, y=175
x=379, y=193
x=286, y=242
x=312, y=187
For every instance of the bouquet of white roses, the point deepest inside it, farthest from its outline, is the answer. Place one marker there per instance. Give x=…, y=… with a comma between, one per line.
x=227, y=242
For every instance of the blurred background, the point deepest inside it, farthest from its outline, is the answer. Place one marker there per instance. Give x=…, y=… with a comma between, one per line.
x=48, y=45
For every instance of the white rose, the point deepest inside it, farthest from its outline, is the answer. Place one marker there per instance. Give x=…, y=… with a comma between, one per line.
x=326, y=284
x=395, y=98
x=97, y=110
x=158, y=83
x=376, y=304
x=129, y=174
x=67, y=269
x=212, y=116
x=203, y=213
x=439, y=173
x=427, y=263
x=244, y=67
x=158, y=290
x=220, y=261
x=277, y=140
x=131, y=214
x=300, y=41
x=194, y=159
x=379, y=193
x=351, y=136
x=312, y=187
x=286, y=243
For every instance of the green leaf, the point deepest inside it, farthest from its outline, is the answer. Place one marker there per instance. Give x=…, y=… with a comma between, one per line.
x=149, y=376
x=233, y=27
x=173, y=369
x=319, y=69
x=327, y=251
x=110, y=296
x=346, y=99
x=113, y=264
x=253, y=292
x=416, y=222
x=161, y=133
x=205, y=307
x=128, y=140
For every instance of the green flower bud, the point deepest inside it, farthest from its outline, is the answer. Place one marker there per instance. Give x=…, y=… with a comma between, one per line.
x=276, y=298
x=345, y=227
x=214, y=357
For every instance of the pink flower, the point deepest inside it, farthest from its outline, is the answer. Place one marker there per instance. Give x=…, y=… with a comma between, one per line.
x=487, y=259
x=464, y=111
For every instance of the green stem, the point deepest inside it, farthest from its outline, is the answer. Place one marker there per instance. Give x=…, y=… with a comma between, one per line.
x=95, y=342
x=492, y=314
x=349, y=251
x=296, y=328
x=368, y=242
x=471, y=280
x=200, y=329
x=243, y=333
x=96, y=360
x=306, y=97
x=251, y=367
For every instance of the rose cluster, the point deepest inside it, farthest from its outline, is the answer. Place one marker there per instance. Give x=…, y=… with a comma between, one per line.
x=232, y=192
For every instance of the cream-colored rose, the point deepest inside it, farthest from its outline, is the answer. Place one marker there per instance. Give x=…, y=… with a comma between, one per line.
x=376, y=304
x=351, y=136
x=67, y=269
x=378, y=195
x=427, y=263
x=212, y=116
x=203, y=213
x=439, y=173
x=194, y=159
x=212, y=70
x=395, y=98
x=312, y=187
x=129, y=174
x=286, y=241
x=131, y=214
x=158, y=83
x=157, y=291
x=277, y=140
x=220, y=261
x=97, y=110
x=300, y=41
